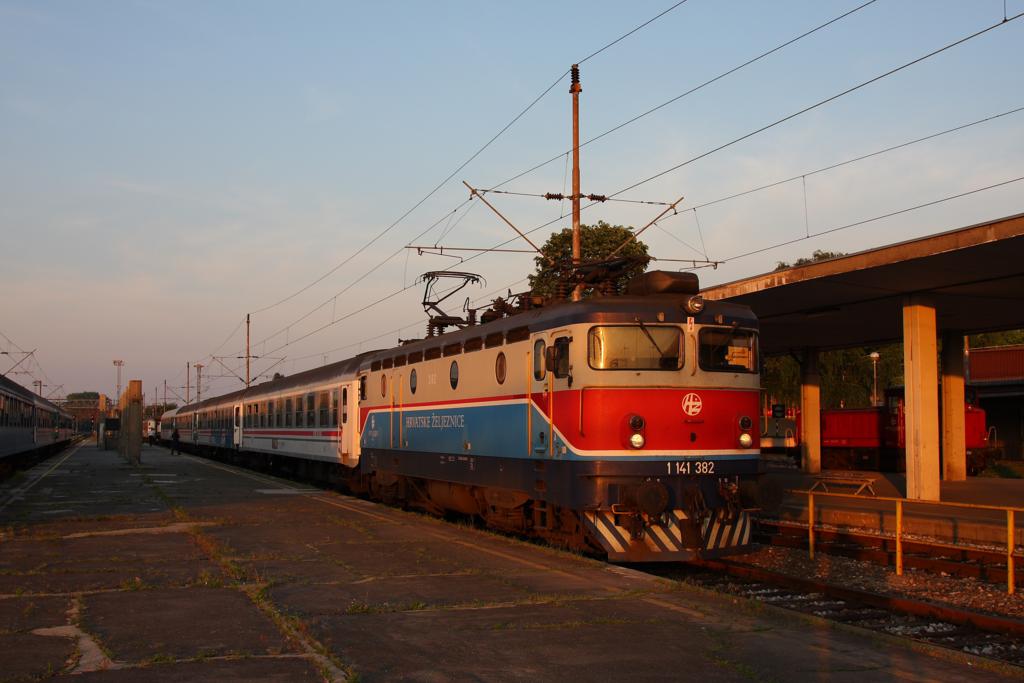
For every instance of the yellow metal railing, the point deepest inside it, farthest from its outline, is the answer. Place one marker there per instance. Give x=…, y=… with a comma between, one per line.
x=900, y=502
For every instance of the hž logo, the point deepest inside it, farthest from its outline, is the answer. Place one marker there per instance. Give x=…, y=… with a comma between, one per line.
x=692, y=404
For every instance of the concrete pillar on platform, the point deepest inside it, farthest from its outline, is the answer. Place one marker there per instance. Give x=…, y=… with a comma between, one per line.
x=131, y=422
x=954, y=445
x=920, y=373
x=810, y=412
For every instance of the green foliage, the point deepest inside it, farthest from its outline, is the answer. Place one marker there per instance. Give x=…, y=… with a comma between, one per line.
x=597, y=241
x=818, y=255
x=997, y=338
x=846, y=376
x=83, y=396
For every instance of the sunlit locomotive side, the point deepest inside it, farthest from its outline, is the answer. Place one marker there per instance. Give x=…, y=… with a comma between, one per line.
x=619, y=424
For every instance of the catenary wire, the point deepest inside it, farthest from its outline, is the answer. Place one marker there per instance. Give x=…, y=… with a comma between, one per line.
x=465, y=163
x=689, y=92
x=731, y=143
x=873, y=219
x=446, y=180
x=820, y=103
x=862, y=157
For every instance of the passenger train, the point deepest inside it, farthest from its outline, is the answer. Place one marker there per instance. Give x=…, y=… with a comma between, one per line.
x=29, y=424
x=619, y=425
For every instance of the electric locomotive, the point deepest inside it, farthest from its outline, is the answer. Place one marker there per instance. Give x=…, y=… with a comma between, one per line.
x=622, y=425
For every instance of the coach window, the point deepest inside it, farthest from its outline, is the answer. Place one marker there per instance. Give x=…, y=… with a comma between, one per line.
x=325, y=408
x=412, y=381
x=310, y=410
x=500, y=368
x=344, y=405
x=362, y=388
x=334, y=408
x=727, y=349
x=383, y=385
x=538, y=360
x=287, y=412
x=453, y=374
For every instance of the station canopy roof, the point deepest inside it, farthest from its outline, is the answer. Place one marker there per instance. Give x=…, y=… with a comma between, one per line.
x=974, y=277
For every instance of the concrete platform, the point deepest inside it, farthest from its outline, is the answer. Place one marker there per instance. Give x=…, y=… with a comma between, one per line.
x=183, y=569
x=946, y=523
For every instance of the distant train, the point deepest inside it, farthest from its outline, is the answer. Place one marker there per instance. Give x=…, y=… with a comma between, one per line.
x=868, y=438
x=29, y=424
x=623, y=425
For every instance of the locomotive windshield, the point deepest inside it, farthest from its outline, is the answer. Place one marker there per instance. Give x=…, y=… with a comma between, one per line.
x=635, y=347
x=727, y=349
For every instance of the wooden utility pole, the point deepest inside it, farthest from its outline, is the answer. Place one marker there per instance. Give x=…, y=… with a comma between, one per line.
x=575, y=89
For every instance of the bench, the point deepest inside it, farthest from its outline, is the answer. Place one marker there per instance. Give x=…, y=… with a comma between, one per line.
x=861, y=484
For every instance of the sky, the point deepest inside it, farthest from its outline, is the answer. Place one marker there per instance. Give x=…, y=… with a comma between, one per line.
x=168, y=167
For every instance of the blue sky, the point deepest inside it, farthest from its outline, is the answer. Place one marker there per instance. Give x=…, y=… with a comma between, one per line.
x=167, y=167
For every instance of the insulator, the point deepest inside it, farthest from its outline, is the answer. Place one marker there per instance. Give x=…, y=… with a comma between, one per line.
x=575, y=87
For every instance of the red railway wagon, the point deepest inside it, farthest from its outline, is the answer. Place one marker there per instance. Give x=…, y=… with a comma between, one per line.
x=870, y=438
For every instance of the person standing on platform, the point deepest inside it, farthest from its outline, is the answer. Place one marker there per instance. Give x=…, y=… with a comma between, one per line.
x=175, y=442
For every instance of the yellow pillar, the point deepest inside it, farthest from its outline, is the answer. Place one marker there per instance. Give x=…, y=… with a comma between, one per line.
x=920, y=374
x=810, y=412
x=954, y=448
x=131, y=421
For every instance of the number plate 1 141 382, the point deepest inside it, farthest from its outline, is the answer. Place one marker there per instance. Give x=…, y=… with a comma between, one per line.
x=691, y=467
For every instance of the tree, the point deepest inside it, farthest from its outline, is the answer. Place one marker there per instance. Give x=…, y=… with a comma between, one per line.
x=597, y=242
x=997, y=338
x=83, y=396
x=847, y=375
x=818, y=255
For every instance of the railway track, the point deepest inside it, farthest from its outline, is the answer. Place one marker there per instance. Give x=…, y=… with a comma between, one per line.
x=959, y=561
x=991, y=637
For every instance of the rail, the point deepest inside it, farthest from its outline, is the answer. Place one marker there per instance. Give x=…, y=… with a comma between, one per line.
x=900, y=502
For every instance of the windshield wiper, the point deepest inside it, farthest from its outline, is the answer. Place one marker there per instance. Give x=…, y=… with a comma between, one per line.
x=650, y=337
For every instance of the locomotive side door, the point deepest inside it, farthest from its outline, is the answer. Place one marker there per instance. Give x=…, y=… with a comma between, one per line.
x=348, y=424
x=542, y=403
x=549, y=373
x=559, y=370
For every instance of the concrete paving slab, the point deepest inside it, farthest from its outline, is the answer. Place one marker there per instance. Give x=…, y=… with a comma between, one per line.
x=381, y=593
x=315, y=571
x=243, y=670
x=201, y=622
x=26, y=657
x=388, y=594
x=29, y=612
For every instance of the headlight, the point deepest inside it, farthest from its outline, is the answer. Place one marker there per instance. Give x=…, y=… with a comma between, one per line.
x=746, y=423
x=637, y=440
x=695, y=304
x=636, y=423
x=746, y=440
